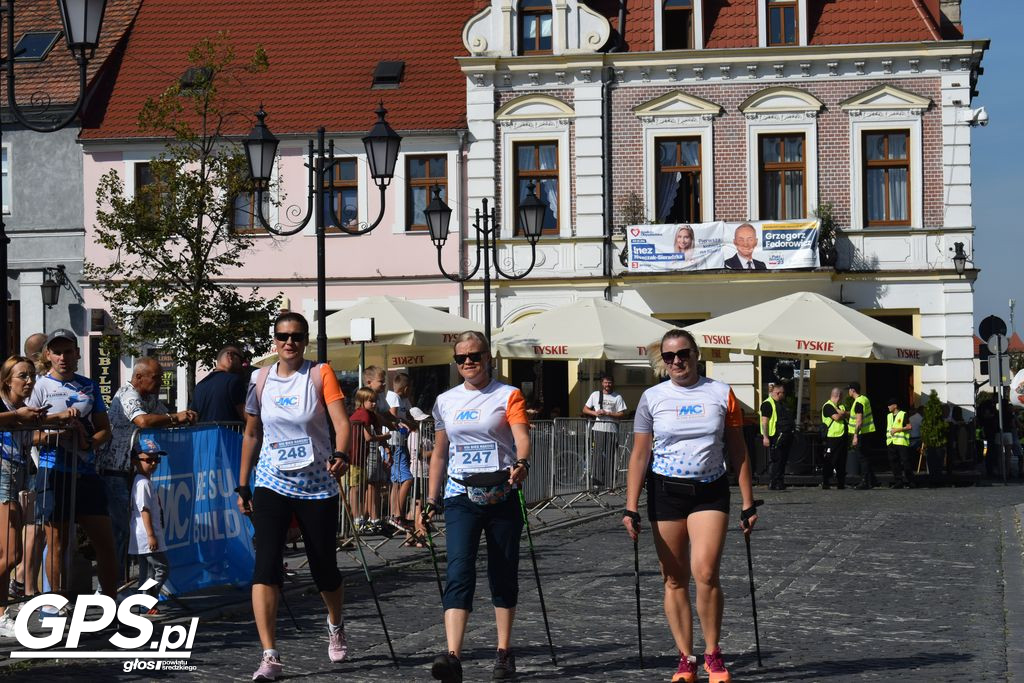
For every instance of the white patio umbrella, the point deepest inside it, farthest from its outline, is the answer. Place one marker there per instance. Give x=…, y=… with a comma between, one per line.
x=586, y=329
x=406, y=334
x=806, y=325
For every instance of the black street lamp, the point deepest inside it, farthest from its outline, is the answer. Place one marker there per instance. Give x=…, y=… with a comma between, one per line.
x=82, y=20
x=381, y=144
x=959, y=258
x=54, y=280
x=531, y=221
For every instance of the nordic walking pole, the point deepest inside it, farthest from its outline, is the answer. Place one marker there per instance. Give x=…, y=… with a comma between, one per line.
x=536, y=575
x=433, y=554
x=636, y=576
x=750, y=574
x=369, y=577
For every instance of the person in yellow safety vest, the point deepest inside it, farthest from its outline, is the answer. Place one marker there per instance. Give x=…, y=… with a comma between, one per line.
x=863, y=435
x=834, y=418
x=777, y=427
x=897, y=439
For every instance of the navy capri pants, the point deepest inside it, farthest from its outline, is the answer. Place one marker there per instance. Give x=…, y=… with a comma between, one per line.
x=502, y=524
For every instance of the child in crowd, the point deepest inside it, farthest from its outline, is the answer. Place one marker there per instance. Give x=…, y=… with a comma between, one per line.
x=146, y=538
x=365, y=468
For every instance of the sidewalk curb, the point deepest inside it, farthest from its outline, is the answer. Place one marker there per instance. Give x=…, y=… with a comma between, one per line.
x=1013, y=588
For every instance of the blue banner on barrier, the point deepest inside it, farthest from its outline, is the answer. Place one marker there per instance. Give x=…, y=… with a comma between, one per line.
x=209, y=543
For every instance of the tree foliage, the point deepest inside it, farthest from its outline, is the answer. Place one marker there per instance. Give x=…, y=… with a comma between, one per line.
x=173, y=241
x=933, y=426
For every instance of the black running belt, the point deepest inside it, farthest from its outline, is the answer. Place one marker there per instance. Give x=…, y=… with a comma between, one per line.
x=480, y=479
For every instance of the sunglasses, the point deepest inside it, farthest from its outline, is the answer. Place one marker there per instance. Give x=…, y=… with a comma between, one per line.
x=461, y=358
x=156, y=459
x=296, y=337
x=670, y=356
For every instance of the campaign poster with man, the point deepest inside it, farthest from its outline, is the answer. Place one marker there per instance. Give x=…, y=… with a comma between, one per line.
x=748, y=245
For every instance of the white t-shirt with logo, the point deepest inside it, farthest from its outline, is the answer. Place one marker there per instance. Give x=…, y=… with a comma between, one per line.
x=402, y=404
x=612, y=403
x=143, y=498
x=688, y=424
x=478, y=424
x=296, y=438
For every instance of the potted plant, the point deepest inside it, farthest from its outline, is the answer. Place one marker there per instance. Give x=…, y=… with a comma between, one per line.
x=828, y=254
x=933, y=437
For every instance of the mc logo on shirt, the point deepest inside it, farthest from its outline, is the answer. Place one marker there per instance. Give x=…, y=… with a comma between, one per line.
x=286, y=401
x=688, y=411
x=467, y=416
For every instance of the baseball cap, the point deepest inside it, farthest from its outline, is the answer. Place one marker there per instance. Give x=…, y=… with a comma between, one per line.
x=854, y=385
x=417, y=414
x=61, y=334
x=149, y=446
x=892, y=401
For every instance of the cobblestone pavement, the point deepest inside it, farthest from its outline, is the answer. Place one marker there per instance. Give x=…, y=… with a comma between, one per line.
x=851, y=586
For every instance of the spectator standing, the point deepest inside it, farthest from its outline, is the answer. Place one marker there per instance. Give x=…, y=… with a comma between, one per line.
x=834, y=418
x=147, y=519
x=401, y=472
x=60, y=460
x=378, y=461
x=915, y=420
x=607, y=407
x=897, y=441
x=220, y=396
x=777, y=426
x=862, y=432
x=364, y=447
x=136, y=405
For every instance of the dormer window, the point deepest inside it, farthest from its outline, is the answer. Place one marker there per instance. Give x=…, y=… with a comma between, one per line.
x=677, y=25
x=782, y=22
x=534, y=26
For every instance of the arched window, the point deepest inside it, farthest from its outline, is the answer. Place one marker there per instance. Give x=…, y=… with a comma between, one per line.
x=534, y=26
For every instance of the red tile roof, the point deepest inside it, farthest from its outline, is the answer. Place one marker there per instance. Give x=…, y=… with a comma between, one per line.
x=57, y=74
x=733, y=23
x=322, y=56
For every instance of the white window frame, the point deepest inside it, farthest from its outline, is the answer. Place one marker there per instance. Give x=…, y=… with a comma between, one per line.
x=755, y=129
x=894, y=121
x=702, y=129
x=362, y=176
x=401, y=187
x=7, y=203
x=698, y=25
x=762, y=23
x=542, y=131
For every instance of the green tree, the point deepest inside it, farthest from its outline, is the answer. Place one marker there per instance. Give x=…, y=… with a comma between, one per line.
x=933, y=426
x=172, y=241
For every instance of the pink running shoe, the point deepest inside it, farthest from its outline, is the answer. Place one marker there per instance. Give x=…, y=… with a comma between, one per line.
x=270, y=669
x=687, y=671
x=337, y=648
x=714, y=664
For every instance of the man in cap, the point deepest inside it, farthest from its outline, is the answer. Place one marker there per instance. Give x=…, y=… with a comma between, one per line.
x=862, y=431
x=136, y=405
x=777, y=427
x=897, y=441
x=65, y=455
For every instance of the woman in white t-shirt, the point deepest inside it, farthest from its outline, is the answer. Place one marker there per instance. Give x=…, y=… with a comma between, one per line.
x=689, y=424
x=297, y=470
x=482, y=445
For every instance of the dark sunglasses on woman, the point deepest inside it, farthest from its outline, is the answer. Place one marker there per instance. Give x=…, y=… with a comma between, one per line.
x=461, y=358
x=296, y=337
x=670, y=356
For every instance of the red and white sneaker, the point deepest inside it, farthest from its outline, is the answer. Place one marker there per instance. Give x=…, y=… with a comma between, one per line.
x=687, y=671
x=714, y=664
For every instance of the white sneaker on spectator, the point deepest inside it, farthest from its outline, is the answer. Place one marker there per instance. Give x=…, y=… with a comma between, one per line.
x=6, y=626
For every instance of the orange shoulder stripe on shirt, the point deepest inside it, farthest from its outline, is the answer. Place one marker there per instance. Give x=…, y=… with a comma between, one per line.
x=733, y=412
x=515, y=410
x=332, y=390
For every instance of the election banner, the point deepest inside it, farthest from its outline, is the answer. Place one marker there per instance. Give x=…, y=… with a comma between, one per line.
x=754, y=245
x=668, y=247
x=209, y=543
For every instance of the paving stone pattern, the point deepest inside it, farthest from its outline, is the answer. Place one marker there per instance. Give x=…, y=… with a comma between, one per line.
x=851, y=586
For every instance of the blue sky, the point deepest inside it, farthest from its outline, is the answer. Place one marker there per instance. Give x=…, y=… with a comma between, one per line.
x=998, y=158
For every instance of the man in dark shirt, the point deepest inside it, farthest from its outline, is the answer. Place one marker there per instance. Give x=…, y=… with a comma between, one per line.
x=220, y=397
x=777, y=427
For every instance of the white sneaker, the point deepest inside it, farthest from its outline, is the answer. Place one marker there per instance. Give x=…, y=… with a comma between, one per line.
x=6, y=626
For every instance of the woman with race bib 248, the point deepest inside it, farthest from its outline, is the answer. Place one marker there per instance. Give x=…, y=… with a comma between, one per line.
x=683, y=431
x=297, y=470
x=482, y=444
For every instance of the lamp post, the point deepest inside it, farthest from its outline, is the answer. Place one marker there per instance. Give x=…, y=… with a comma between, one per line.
x=381, y=144
x=485, y=227
x=82, y=20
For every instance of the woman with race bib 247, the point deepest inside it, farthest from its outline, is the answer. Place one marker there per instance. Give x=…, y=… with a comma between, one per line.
x=482, y=442
x=689, y=423
x=297, y=470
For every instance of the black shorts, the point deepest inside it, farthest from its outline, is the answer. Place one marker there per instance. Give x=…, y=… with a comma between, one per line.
x=670, y=499
x=53, y=496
